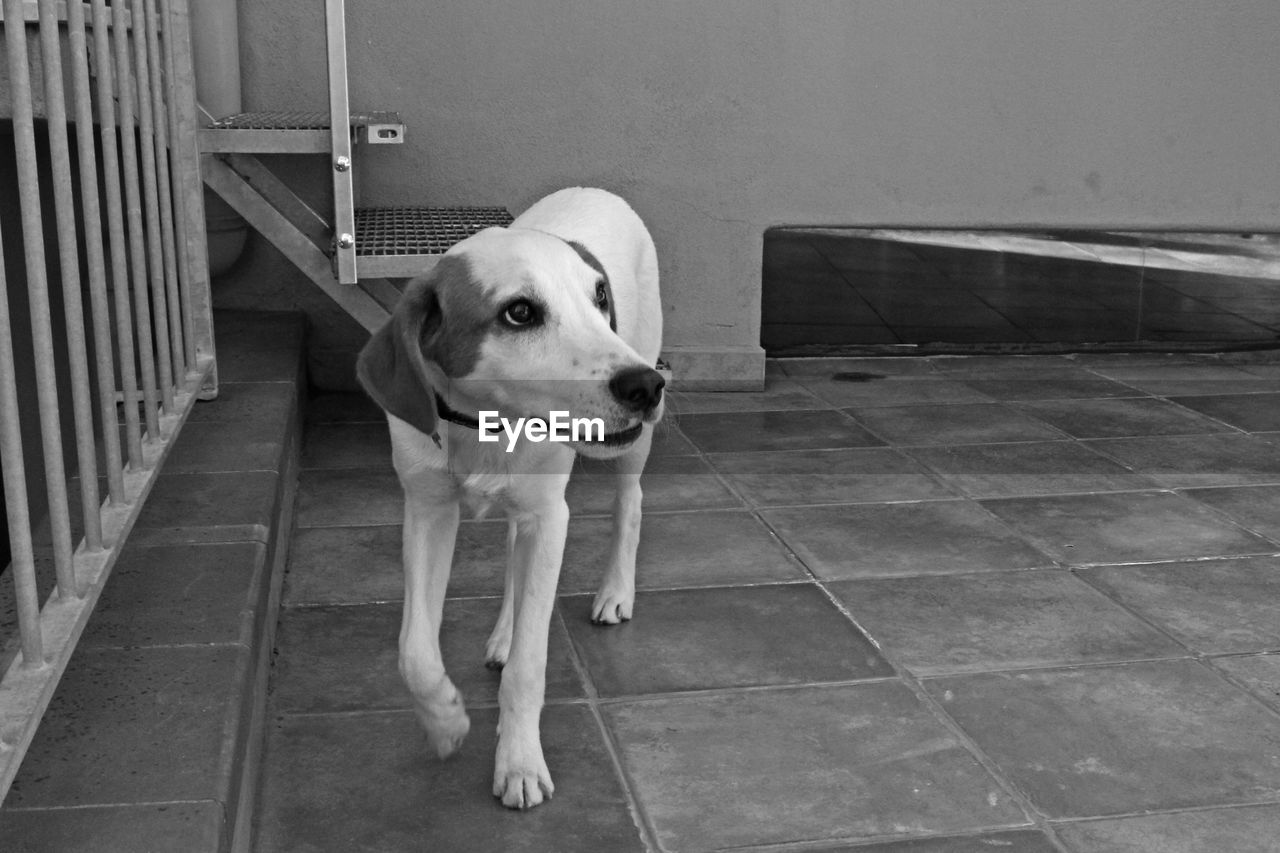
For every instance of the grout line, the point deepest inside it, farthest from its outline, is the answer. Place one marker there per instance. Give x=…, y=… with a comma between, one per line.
x=1071, y=821
x=1022, y=801
x=639, y=815
x=113, y=805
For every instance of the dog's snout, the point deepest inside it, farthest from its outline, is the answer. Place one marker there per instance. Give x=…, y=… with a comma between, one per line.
x=639, y=389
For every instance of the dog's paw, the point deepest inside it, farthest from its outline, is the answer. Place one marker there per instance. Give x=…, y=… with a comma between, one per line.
x=446, y=722
x=498, y=647
x=521, y=779
x=613, y=604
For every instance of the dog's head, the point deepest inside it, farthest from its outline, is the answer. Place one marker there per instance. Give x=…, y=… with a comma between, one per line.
x=519, y=322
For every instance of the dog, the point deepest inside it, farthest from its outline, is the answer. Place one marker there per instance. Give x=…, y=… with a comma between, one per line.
x=558, y=312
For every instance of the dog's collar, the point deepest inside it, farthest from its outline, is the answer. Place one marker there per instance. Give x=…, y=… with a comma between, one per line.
x=453, y=416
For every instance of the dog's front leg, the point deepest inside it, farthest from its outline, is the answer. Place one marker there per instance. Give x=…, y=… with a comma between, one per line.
x=499, y=644
x=520, y=775
x=430, y=531
x=616, y=597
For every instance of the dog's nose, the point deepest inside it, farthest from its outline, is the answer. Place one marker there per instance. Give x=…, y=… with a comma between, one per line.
x=638, y=388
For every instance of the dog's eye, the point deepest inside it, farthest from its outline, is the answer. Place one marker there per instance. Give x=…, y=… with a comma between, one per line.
x=520, y=313
x=602, y=296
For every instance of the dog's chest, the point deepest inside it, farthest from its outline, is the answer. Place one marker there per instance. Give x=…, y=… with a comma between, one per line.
x=480, y=475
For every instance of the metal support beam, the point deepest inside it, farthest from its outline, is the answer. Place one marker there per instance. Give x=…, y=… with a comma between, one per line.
x=344, y=203
x=286, y=237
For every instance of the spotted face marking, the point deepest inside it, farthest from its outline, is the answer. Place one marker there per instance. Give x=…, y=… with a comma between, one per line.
x=519, y=322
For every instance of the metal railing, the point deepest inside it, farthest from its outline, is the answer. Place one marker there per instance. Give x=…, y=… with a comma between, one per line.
x=113, y=82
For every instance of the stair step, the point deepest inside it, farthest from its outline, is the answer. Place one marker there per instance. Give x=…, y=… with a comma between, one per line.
x=394, y=242
x=294, y=132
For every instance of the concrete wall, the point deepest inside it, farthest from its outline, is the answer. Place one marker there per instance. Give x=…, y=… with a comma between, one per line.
x=721, y=118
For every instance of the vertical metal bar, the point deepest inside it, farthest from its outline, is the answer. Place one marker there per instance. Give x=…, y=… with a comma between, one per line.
x=172, y=100
x=115, y=228
x=190, y=190
x=23, y=565
x=151, y=203
x=69, y=260
x=95, y=256
x=125, y=89
x=38, y=286
x=164, y=192
x=344, y=218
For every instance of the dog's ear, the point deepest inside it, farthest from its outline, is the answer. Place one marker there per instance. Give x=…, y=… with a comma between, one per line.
x=392, y=367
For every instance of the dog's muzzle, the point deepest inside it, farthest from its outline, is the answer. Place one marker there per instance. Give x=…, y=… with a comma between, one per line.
x=638, y=389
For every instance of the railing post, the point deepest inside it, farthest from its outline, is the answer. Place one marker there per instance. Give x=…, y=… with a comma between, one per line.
x=188, y=190
x=38, y=289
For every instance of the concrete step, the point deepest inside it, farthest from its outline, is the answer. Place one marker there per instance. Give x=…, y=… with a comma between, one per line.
x=152, y=739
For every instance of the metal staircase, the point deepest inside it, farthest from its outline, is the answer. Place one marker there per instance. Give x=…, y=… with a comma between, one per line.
x=353, y=254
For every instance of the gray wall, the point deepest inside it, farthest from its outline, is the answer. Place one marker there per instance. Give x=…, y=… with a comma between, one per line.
x=721, y=118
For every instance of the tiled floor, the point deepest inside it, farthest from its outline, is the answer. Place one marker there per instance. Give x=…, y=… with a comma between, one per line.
x=826, y=291
x=944, y=605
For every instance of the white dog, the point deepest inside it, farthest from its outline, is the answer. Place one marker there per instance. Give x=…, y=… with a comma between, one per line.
x=557, y=313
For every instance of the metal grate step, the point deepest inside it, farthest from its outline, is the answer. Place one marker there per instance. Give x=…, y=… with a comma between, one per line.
x=392, y=242
x=294, y=132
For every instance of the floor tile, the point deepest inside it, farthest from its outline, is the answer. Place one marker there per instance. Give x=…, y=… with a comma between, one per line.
x=778, y=394
x=120, y=717
x=343, y=496
x=1124, y=528
x=999, y=620
x=1013, y=841
x=335, y=407
x=885, y=540
x=1254, y=507
x=683, y=549
x=230, y=508
x=1214, y=606
x=1176, y=380
x=801, y=764
x=1000, y=366
x=669, y=483
x=669, y=441
x=345, y=565
x=796, y=430
x=700, y=639
x=1252, y=829
x=159, y=828
x=797, y=477
x=346, y=445
x=1027, y=468
x=1120, y=739
x=1259, y=673
x=345, y=658
x=1050, y=385
x=865, y=368
x=262, y=402
x=1120, y=418
x=865, y=389
x=1250, y=412
x=211, y=446
x=371, y=785
x=1227, y=459
x=212, y=593
x=960, y=424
